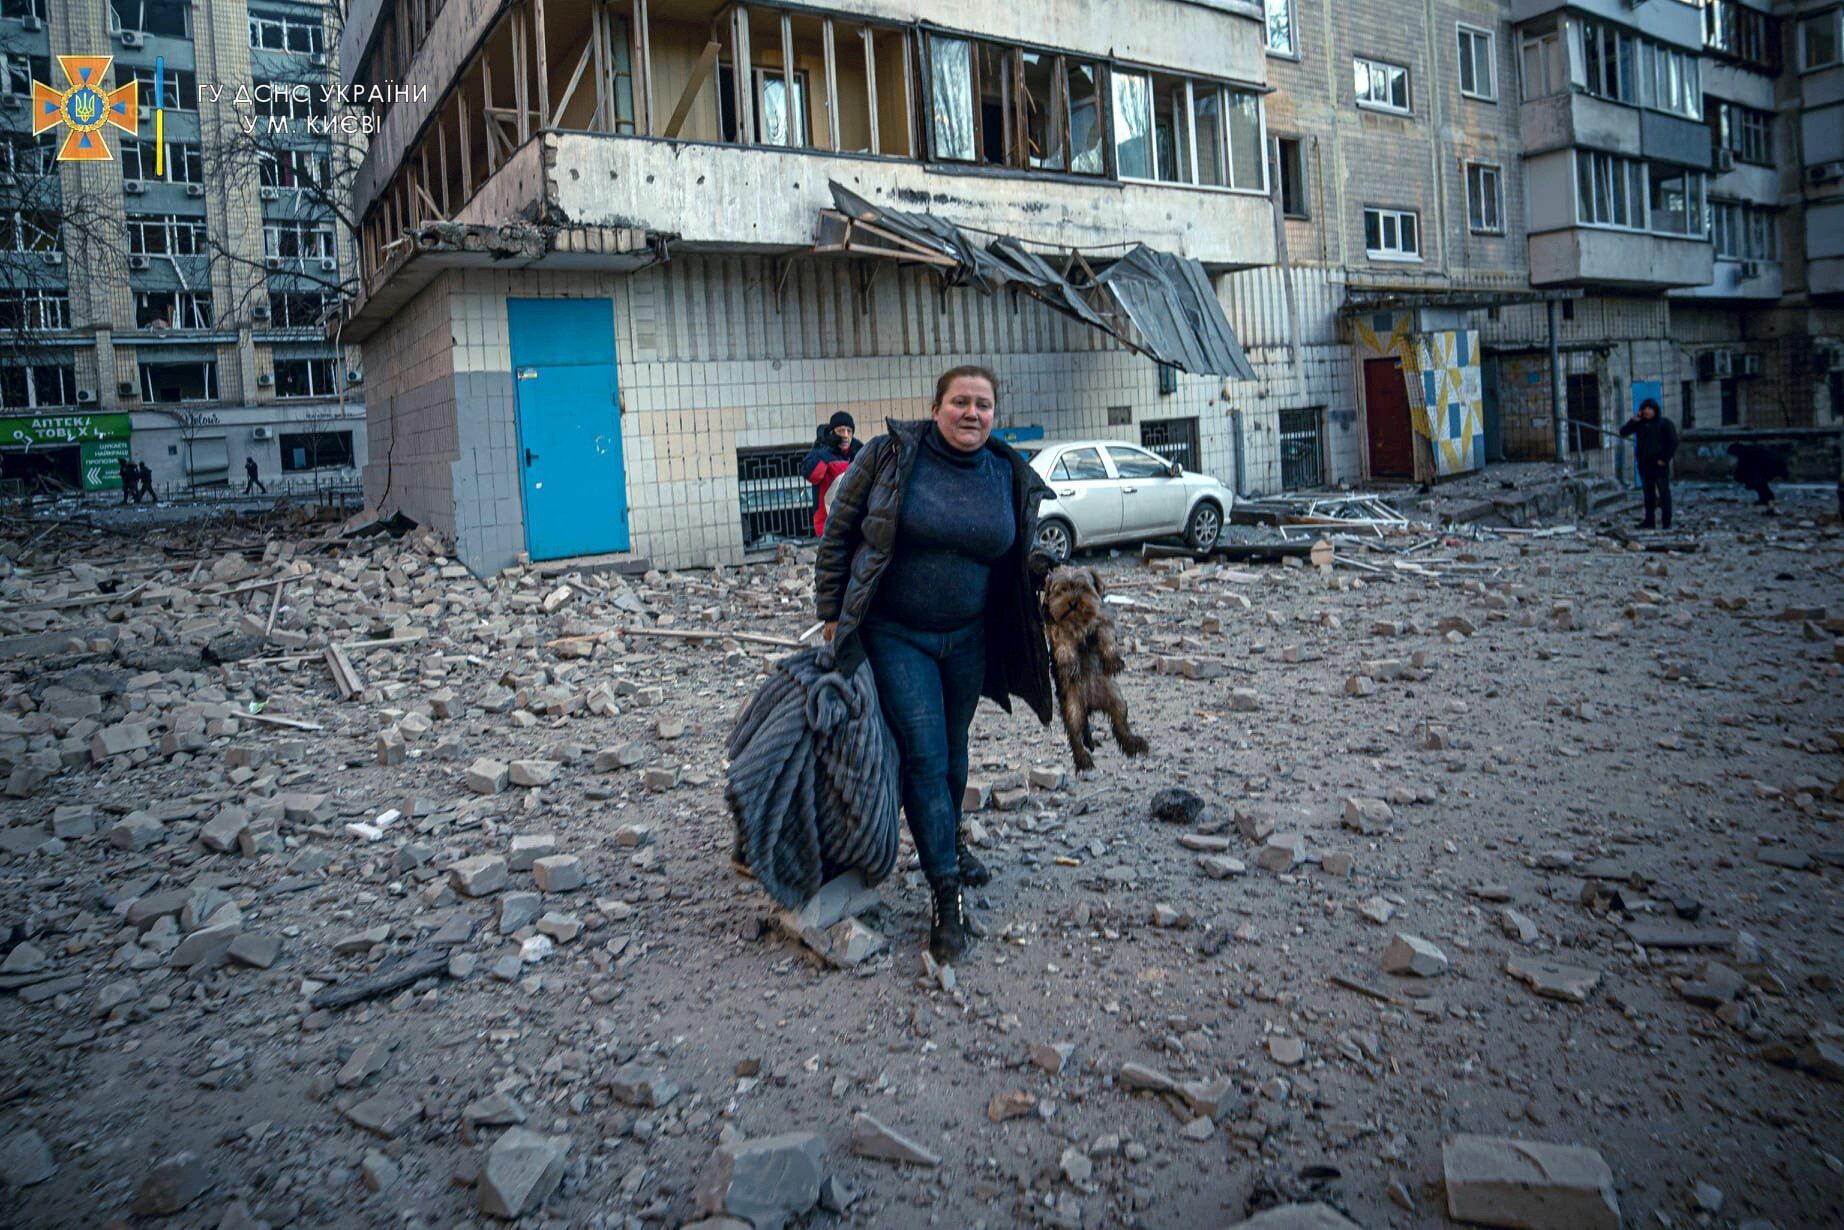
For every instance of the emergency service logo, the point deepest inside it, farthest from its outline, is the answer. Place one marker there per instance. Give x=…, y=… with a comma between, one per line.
x=85, y=106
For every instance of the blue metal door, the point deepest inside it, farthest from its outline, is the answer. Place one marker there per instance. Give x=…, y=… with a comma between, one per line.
x=570, y=472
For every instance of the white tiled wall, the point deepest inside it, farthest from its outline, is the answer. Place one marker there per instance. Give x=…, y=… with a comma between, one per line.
x=716, y=354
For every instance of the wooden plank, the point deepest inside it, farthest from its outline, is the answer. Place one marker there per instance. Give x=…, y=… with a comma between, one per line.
x=275, y=606
x=467, y=147
x=598, y=37
x=870, y=82
x=286, y=723
x=576, y=79
x=742, y=67
x=486, y=110
x=642, y=57
x=701, y=72
x=423, y=193
x=521, y=74
x=425, y=963
x=832, y=85
x=545, y=114
x=441, y=152
x=345, y=677
x=790, y=124
x=66, y=604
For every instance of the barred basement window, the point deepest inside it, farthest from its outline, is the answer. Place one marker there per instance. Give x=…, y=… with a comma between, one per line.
x=1172, y=439
x=777, y=501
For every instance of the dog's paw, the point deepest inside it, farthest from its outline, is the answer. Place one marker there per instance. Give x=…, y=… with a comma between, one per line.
x=1084, y=761
x=1133, y=745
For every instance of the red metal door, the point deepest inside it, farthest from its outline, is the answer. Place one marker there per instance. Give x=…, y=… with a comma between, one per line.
x=1386, y=415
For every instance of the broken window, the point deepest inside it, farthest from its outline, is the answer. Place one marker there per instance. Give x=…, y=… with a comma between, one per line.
x=950, y=62
x=38, y=386
x=31, y=230
x=177, y=382
x=1008, y=106
x=184, y=164
x=773, y=118
x=172, y=309
x=1184, y=131
x=292, y=168
x=296, y=309
x=171, y=18
x=291, y=32
x=315, y=450
x=304, y=378
x=297, y=241
x=180, y=94
x=34, y=309
x=1291, y=167
x=165, y=235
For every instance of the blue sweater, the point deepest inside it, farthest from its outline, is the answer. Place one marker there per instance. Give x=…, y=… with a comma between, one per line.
x=956, y=522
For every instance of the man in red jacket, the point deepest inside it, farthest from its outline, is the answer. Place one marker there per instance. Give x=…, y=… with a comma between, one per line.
x=830, y=456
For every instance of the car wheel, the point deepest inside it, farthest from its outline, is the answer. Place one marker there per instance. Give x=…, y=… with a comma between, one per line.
x=1204, y=527
x=1055, y=539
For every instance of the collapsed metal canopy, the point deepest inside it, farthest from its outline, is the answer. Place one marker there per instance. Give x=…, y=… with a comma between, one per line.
x=1153, y=302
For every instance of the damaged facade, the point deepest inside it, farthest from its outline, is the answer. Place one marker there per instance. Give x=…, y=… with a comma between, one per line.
x=648, y=206
x=648, y=181
x=1664, y=176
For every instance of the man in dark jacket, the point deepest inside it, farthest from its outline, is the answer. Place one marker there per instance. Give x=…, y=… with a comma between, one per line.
x=131, y=478
x=1756, y=468
x=1655, y=443
x=831, y=455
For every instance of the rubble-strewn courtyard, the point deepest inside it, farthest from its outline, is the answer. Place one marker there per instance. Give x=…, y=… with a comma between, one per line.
x=1526, y=835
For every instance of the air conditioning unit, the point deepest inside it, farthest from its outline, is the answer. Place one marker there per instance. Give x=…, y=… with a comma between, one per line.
x=259, y=311
x=272, y=262
x=1715, y=365
x=86, y=397
x=31, y=24
x=134, y=187
x=1824, y=172
x=1725, y=160
x=11, y=101
x=132, y=38
x=137, y=262
x=270, y=194
x=127, y=388
x=1751, y=365
x=355, y=376
x=195, y=189
x=53, y=258
x=263, y=433
x=267, y=379
x=328, y=264
x=318, y=59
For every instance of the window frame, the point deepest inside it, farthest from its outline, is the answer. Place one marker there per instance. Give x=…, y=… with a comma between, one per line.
x=1836, y=19
x=1397, y=254
x=287, y=23
x=1303, y=208
x=325, y=364
x=1228, y=95
x=1292, y=50
x=208, y=369
x=289, y=441
x=33, y=375
x=1462, y=32
x=1497, y=202
x=1372, y=67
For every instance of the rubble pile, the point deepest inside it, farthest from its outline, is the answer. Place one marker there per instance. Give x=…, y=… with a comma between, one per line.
x=344, y=887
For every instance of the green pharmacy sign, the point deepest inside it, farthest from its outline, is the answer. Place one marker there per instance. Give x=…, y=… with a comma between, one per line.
x=102, y=441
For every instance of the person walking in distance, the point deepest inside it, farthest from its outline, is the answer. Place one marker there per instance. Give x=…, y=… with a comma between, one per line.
x=131, y=478
x=926, y=573
x=250, y=479
x=146, y=477
x=1655, y=443
x=831, y=455
x=1756, y=468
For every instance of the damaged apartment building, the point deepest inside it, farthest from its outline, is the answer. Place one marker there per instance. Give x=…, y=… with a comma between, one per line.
x=628, y=255
x=623, y=256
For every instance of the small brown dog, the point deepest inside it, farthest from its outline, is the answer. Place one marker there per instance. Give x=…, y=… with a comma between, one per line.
x=1082, y=646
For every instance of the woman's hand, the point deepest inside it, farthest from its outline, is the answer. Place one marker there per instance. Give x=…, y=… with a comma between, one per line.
x=831, y=628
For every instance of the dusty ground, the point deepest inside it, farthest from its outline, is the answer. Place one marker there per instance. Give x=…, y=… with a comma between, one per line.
x=1667, y=743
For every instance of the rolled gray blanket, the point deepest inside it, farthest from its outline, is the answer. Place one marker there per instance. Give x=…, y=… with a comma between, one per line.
x=813, y=785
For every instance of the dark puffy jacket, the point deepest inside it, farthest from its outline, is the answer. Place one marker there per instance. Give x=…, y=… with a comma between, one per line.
x=1654, y=439
x=822, y=466
x=861, y=534
x=1754, y=464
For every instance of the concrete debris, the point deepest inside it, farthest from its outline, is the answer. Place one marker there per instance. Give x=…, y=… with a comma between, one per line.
x=1529, y=1185
x=1410, y=954
x=767, y=1182
x=1554, y=979
x=521, y=1171
x=1313, y=1216
x=173, y=1184
x=25, y=1159
x=873, y=1139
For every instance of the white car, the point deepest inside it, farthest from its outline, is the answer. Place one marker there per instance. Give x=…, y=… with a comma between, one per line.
x=1109, y=491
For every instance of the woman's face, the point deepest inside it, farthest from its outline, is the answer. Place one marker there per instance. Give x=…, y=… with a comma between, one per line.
x=963, y=416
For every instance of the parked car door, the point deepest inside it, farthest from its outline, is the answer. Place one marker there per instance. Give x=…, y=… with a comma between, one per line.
x=1087, y=494
x=1152, y=501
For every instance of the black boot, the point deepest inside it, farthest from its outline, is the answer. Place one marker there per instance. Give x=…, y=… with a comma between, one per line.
x=947, y=932
x=973, y=872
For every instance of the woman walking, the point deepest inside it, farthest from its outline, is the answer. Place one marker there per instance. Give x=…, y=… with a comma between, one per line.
x=924, y=572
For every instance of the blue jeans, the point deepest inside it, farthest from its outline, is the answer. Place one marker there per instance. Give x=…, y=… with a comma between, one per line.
x=928, y=684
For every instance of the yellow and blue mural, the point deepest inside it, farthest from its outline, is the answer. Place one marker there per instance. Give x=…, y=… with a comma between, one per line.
x=1441, y=371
